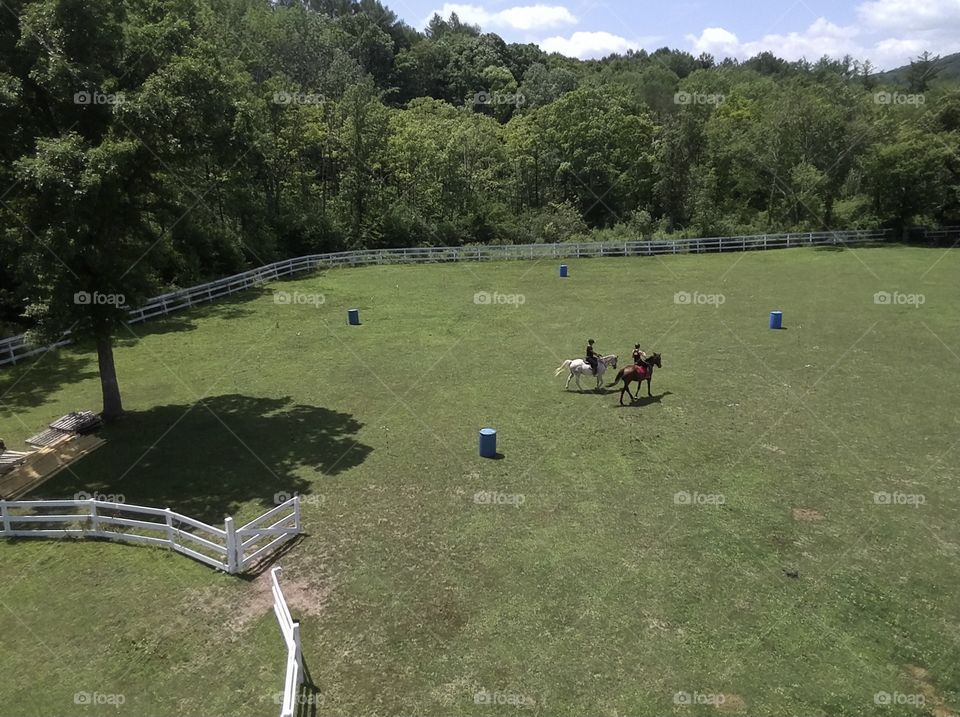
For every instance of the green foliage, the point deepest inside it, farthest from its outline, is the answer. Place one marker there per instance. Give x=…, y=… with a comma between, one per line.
x=243, y=131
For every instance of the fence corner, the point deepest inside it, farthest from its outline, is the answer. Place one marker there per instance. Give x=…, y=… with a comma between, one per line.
x=233, y=548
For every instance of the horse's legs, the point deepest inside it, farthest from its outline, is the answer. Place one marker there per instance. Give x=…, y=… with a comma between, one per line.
x=567, y=386
x=649, y=392
x=579, y=387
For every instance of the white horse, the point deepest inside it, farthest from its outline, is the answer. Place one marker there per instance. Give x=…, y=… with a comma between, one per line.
x=579, y=367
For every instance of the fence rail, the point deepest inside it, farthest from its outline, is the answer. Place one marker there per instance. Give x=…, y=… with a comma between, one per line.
x=221, y=548
x=16, y=348
x=283, y=525
x=293, y=676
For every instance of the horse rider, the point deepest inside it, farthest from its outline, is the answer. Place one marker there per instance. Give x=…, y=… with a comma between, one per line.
x=592, y=357
x=638, y=355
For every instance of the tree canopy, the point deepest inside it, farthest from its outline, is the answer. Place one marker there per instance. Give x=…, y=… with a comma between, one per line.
x=149, y=144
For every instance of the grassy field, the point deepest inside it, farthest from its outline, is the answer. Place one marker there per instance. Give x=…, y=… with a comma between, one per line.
x=784, y=585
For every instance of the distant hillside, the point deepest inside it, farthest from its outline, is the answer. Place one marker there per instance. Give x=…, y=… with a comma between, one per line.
x=949, y=67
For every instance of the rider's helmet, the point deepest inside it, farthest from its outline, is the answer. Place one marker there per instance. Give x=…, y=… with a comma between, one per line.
x=636, y=346
x=590, y=341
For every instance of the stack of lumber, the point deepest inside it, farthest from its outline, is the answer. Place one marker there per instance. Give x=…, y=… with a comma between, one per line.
x=63, y=442
x=43, y=464
x=10, y=460
x=76, y=423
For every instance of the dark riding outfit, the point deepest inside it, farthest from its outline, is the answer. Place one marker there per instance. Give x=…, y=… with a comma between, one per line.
x=591, y=357
x=638, y=356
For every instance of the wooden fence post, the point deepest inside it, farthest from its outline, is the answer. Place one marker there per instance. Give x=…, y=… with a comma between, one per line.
x=169, y=517
x=233, y=547
x=5, y=516
x=296, y=512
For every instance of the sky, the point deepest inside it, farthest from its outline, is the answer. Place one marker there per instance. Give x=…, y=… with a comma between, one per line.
x=886, y=32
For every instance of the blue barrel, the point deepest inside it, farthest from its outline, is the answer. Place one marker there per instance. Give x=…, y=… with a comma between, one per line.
x=776, y=319
x=563, y=270
x=488, y=443
x=353, y=316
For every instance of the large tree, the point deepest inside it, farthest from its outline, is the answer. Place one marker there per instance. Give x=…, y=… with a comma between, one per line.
x=86, y=189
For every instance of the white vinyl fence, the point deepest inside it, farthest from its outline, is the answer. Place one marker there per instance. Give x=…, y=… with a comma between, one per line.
x=293, y=676
x=16, y=348
x=260, y=536
x=229, y=549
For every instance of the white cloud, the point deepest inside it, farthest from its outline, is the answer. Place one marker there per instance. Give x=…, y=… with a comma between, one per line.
x=888, y=33
x=591, y=44
x=521, y=17
x=716, y=41
x=910, y=15
x=821, y=38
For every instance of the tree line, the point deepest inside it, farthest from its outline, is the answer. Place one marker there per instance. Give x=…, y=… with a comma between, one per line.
x=150, y=144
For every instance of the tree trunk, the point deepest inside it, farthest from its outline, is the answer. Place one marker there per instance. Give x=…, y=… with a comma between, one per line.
x=112, y=406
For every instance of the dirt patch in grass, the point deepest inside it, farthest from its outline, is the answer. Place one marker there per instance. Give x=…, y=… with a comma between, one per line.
x=238, y=608
x=302, y=598
x=806, y=516
x=921, y=679
x=731, y=703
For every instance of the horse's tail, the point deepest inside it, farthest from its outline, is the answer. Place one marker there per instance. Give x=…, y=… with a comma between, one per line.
x=617, y=379
x=563, y=367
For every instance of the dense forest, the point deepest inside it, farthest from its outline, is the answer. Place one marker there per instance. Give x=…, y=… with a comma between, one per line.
x=148, y=144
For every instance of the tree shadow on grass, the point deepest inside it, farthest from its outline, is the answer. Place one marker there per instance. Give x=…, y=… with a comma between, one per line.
x=207, y=459
x=186, y=319
x=51, y=371
x=30, y=383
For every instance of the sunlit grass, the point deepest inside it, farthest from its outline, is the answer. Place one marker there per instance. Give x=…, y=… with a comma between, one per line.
x=784, y=586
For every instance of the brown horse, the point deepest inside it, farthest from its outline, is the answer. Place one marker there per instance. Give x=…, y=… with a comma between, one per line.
x=637, y=372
